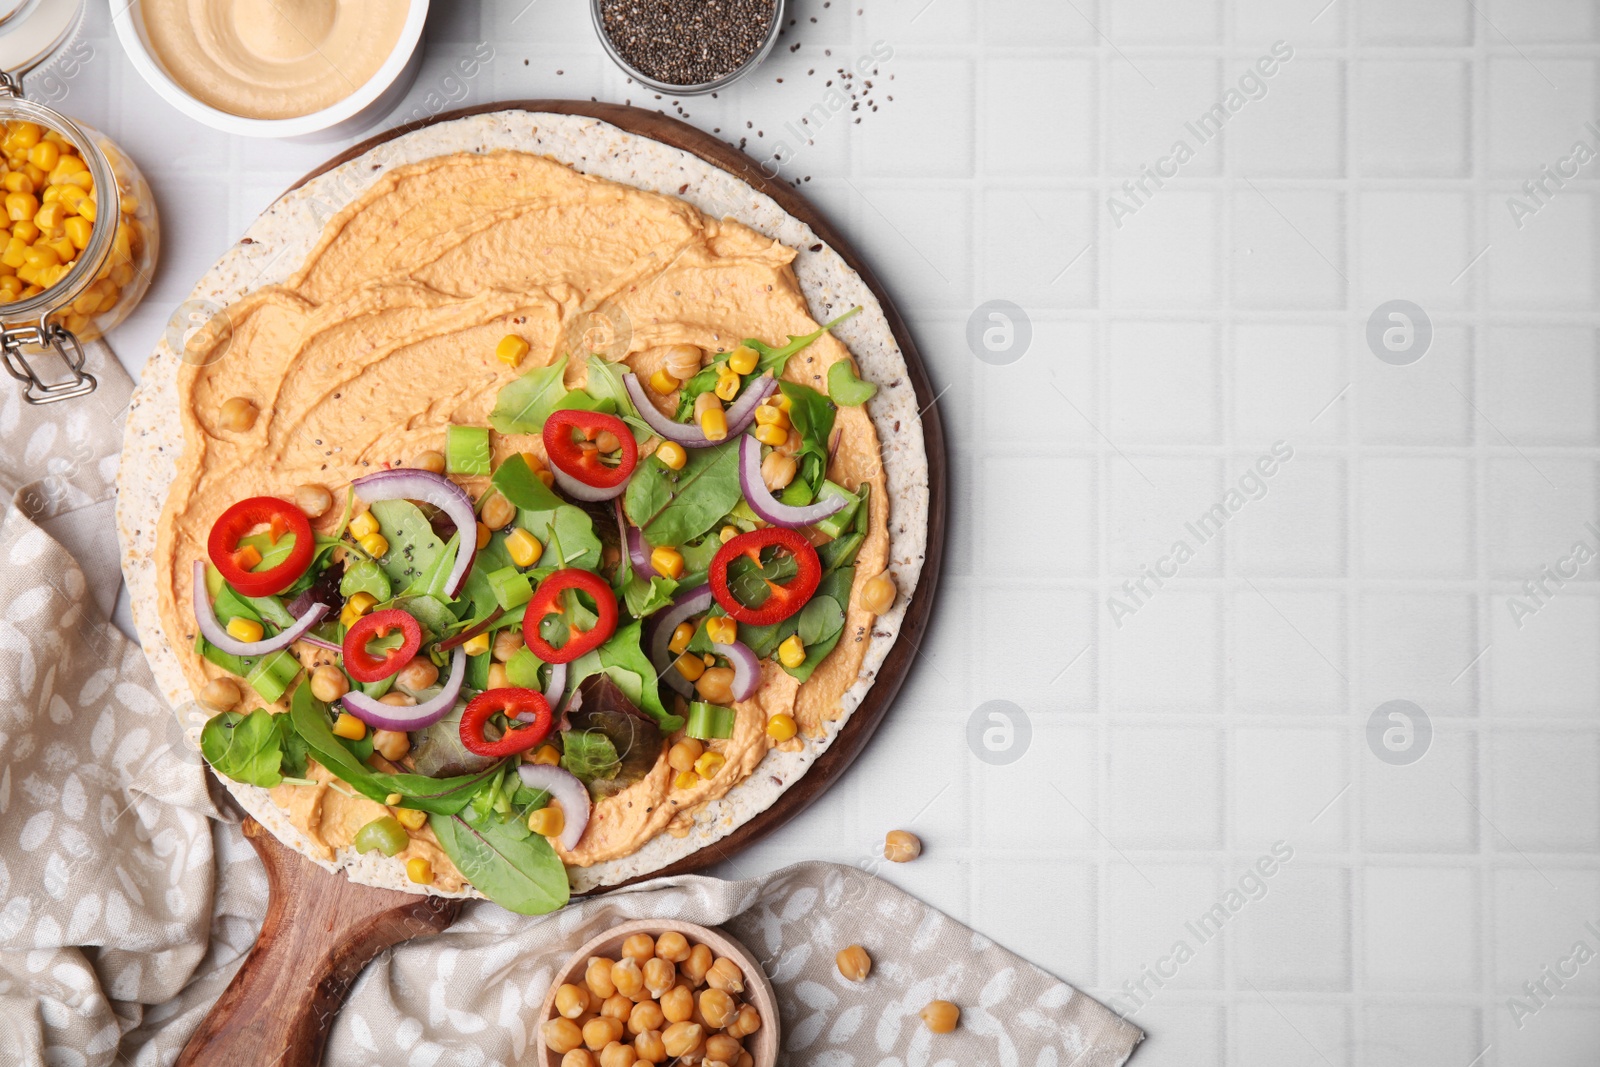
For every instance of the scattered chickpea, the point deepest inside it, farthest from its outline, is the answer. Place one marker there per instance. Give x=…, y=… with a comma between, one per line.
x=778, y=470
x=722, y=1047
x=431, y=461
x=419, y=674
x=617, y=1054
x=328, y=683
x=598, y=977
x=854, y=963
x=716, y=685
x=220, y=694
x=639, y=948
x=398, y=700
x=572, y=1001
x=238, y=415
x=680, y=1039
x=747, y=1022
x=681, y=757
x=682, y=361
x=659, y=976
x=499, y=679
x=725, y=975
x=901, y=846
x=606, y=441
x=497, y=512
x=941, y=1016
x=877, y=594
x=562, y=1035
x=507, y=643
x=601, y=1031
x=626, y=976
x=314, y=500
x=392, y=745
x=673, y=946
x=617, y=1006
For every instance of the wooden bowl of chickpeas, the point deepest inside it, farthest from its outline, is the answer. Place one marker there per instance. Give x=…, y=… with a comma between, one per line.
x=660, y=991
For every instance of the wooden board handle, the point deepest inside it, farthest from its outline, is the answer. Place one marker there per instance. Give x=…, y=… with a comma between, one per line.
x=321, y=929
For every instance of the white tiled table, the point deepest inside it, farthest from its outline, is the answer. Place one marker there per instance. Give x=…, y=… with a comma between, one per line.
x=1230, y=710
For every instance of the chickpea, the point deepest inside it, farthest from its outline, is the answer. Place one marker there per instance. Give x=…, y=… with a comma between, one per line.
x=314, y=500
x=718, y=1008
x=901, y=846
x=617, y=1054
x=695, y=967
x=626, y=976
x=659, y=976
x=682, y=361
x=722, y=1047
x=328, y=683
x=646, y=1015
x=681, y=757
x=398, y=700
x=745, y=1060
x=673, y=946
x=562, y=1035
x=498, y=678
x=677, y=1004
x=778, y=470
x=639, y=948
x=238, y=415
x=578, y=1057
x=220, y=694
x=392, y=745
x=598, y=977
x=941, y=1016
x=746, y=1023
x=507, y=643
x=497, y=511
x=572, y=1001
x=877, y=594
x=431, y=461
x=854, y=963
x=601, y=1031
x=681, y=1039
x=649, y=1047
x=606, y=441
x=617, y=1006
x=420, y=673
x=716, y=685
x=725, y=975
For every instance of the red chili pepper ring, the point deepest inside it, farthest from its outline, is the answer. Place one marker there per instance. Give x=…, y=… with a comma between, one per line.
x=584, y=463
x=362, y=665
x=528, y=711
x=547, y=601
x=280, y=517
x=784, y=600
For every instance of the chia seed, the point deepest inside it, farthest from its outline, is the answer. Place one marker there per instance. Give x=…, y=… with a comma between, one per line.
x=687, y=42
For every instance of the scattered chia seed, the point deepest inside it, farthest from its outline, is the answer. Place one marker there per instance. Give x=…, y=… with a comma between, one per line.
x=687, y=42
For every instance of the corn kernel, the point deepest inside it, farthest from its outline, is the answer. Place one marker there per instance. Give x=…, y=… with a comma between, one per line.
x=411, y=818
x=24, y=135
x=17, y=182
x=419, y=870
x=714, y=423
x=64, y=248
x=781, y=727
x=21, y=206
x=523, y=548
x=722, y=630
x=40, y=256
x=476, y=646
x=349, y=727
x=681, y=638
x=242, y=629
x=375, y=545
x=547, y=821
x=662, y=382
x=392, y=799
x=78, y=232
x=685, y=780
x=667, y=561
x=26, y=230
x=363, y=524
x=50, y=215
x=782, y=402
x=690, y=666
x=672, y=455
x=358, y=605
x=510, y=350
x=88, y=210
x=709, y=764
x=484, y=533
x=742, y=360
x=44, y=155
x=546, y=755
x=792, y=652
x=772, y=435
x=727, y=533
x=727, y=384
x=771, y=415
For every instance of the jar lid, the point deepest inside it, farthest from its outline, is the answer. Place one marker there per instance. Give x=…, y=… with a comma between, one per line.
x=32, y=30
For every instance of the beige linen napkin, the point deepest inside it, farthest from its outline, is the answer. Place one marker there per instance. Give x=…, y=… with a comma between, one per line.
x=126, y=903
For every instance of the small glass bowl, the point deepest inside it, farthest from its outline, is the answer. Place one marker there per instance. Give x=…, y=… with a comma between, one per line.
x=701, y=89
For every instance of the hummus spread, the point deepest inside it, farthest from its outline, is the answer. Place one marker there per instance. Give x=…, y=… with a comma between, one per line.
x=386, y=335
x=272, y=59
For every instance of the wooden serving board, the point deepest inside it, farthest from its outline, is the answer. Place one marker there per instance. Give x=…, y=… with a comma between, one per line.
x=321, y=929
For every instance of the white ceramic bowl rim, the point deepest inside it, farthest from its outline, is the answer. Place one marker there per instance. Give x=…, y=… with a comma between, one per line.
x=129, y=23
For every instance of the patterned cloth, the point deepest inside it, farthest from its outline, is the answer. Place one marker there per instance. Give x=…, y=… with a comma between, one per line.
x=127, y=901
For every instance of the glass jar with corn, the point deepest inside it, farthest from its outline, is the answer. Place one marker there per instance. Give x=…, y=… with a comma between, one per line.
x=79, y=242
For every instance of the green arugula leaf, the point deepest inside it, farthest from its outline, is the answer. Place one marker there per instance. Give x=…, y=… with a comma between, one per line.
x=776, y=359
x=605, y=383
x=812, y=416
x=519, y=872
x=648, y=596
x=518, y=484
x=246, y=748
x=674, y=507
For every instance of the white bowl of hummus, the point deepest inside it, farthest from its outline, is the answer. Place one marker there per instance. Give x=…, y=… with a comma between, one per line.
x=301, y=69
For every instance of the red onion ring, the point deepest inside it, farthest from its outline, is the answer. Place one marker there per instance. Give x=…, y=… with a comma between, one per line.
x=317, y=642
x=746, y=668
x=206, y=616
x=579, y=490
x=407, y=483
x=764, y=504
x=554, y=690
x=374, y=712
x=740, y=415
x=565, y=789
x=689, y=604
